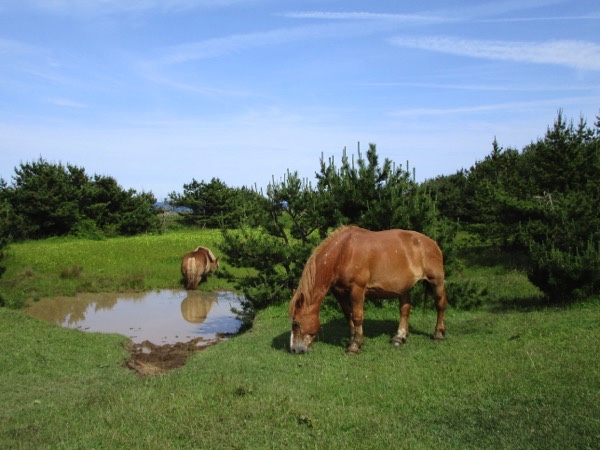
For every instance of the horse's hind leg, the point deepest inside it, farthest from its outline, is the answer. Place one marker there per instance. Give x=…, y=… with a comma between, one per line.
x=438, y=292
x=402, y=333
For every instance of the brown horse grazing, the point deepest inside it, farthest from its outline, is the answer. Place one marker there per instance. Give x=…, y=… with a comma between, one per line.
x=354, y=263
x=197, y=265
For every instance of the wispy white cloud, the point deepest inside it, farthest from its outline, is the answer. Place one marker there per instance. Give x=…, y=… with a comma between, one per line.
x=363, y=15
x=576, y=54
x=592, y=16
x=65, y=102
x=474, y=13
x=412, y=112
x=154, y=76
x=102, y=7
x=211, y=48
x=494, y=107
x=8, y=46
x=216, y=47
x=499, y=87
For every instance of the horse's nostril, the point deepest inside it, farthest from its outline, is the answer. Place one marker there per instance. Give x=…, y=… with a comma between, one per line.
x=298, y=350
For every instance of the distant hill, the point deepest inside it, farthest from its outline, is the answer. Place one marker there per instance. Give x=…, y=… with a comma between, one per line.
x=168, y=208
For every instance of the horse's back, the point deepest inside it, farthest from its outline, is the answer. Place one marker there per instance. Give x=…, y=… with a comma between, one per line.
x=420, y=251
x=417, y=241
x=389, y=257
x=392, y=242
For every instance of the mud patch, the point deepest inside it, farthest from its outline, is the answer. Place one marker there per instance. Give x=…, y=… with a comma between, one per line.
x=150, y=359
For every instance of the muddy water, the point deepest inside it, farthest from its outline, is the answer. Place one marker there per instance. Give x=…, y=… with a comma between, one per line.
x=161, y=317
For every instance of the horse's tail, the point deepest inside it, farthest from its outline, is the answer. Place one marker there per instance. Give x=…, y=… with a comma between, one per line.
x=192, y=271
x=434, y=269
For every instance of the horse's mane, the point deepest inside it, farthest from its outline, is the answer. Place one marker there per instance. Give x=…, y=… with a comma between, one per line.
x=307, y=280
x=211, y=256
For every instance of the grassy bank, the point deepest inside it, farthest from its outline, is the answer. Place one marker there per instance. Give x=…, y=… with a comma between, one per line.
x=512, y=380
x=65, y=266
x=502, y=379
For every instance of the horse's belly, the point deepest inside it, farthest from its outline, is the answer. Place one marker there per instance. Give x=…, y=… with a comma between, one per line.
x=380, y=293
x=379, y=288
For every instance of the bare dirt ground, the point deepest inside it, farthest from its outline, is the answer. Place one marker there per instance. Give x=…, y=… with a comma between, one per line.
x=151, y=359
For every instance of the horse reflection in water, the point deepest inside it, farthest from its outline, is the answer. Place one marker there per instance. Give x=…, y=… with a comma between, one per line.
x=354, y=263
x=197, y=265
x=195, y=309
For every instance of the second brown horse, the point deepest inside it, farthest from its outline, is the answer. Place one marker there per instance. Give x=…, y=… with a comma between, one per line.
x=197, y=265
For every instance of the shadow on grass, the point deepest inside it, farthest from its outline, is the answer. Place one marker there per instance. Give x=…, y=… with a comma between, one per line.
x=527, y=304
x=336, y=332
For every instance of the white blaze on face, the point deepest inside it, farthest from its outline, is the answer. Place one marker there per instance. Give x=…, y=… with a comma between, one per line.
x=292, y=339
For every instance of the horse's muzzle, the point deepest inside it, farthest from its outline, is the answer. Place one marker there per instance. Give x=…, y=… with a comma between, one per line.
x=296, y=345
x=299, y=348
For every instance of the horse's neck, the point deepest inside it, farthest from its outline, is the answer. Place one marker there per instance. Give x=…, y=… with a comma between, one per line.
x=317, y=295
x=324, y=282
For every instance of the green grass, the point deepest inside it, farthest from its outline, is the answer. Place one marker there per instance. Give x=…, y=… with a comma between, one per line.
x=512, y=380
x=66, y=266
x=500, y=275
x=503, y=378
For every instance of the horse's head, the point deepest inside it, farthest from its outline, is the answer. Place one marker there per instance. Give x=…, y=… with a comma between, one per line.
x=305, y=325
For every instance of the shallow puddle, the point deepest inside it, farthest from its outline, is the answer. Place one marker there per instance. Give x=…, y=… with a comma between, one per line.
x=161, y=317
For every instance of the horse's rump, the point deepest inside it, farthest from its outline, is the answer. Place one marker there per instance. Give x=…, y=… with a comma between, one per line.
x=196, y=265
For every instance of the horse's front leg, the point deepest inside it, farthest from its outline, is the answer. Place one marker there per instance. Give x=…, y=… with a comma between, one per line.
x=356, y=304
x=357, y=340
x=402, y=333
x=346, y=306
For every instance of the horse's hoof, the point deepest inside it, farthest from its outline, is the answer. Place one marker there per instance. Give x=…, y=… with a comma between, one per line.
x=438, y=336
x=353, y=349
x=400, y=338
x=398, y=341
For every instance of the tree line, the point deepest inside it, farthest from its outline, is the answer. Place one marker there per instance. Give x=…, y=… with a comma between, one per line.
x=541, y=202
x=47, y=199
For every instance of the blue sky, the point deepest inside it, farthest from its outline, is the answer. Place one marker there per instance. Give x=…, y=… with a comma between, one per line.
x=157, y=93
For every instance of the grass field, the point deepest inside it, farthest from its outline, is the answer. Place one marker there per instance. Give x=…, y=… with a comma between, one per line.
x=509, y=378
x=66, y=266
